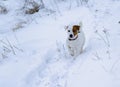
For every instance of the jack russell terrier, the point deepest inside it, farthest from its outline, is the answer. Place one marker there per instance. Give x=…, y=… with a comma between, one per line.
x=75, y=40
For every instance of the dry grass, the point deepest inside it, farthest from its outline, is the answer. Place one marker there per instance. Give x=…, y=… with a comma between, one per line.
x=3, y=10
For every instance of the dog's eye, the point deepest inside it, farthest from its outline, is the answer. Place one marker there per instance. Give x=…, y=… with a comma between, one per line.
x=68, y=30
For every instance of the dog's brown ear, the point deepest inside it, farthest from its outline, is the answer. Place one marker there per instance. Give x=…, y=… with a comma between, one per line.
x=66, y=27
x=76, y=27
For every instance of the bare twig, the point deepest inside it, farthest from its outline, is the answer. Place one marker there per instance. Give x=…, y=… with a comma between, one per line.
x=18, y=48
x=6, y=49
x=114, y=64
x=101, y=61
x=70, y=5
x=97, y=56
x=102, y=38
x=57, y=7
x=11, y=47
x=4, y=42
x=106, y=35
x=3, y=56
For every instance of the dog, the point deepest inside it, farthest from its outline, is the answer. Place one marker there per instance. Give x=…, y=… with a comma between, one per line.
x=75, y=40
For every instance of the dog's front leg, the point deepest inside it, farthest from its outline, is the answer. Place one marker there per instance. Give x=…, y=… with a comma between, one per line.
x=76, y=52
x=71, y=51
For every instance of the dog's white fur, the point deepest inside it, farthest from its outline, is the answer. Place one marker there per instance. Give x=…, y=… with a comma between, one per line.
x=75, y=47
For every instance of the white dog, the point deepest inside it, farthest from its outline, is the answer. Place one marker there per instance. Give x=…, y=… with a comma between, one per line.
x=75, y=40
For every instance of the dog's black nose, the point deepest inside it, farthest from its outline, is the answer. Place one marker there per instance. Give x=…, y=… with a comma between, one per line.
x=71, y=35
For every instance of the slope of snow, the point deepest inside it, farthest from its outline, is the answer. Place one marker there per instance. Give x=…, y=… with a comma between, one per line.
x=43, y=60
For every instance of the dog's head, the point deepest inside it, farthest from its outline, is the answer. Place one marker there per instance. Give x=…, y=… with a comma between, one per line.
x=73, y=31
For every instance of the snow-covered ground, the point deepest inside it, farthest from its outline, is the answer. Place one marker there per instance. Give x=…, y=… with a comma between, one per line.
x=36, y=55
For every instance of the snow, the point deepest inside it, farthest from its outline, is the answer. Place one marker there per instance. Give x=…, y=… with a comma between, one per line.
x=41, y=58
